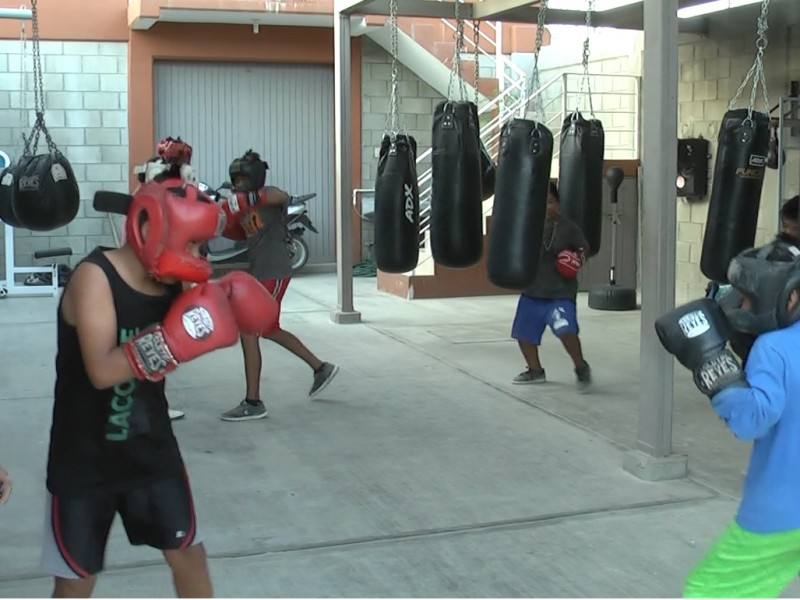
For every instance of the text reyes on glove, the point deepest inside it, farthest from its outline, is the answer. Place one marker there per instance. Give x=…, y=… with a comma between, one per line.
x=720, y=368
x=694, y=324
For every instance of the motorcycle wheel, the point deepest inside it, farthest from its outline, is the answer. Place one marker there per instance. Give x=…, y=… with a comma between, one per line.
x=298, y=251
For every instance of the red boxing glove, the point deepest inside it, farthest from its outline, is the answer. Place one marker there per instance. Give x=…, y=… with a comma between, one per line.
x=240, y=208
x=200, y=320
x=569, y=263
x=254, y=308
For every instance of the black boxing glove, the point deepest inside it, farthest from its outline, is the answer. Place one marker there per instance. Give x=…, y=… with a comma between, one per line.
x=697, y=335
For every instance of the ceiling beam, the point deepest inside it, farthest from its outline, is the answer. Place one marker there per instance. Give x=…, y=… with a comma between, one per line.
x=492, y=10
x=406, y=8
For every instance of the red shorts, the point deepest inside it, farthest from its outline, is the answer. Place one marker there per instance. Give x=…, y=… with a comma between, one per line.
x=276, y=287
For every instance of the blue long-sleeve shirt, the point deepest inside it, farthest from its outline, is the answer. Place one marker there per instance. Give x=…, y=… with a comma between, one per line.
x=767, y=412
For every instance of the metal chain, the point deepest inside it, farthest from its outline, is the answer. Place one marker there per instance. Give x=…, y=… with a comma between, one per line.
x=393, y=121
x=23, y=80
x=757, y=70
x=585, y=81
x=533, y=82
x=32, y=142
x=455, y=72
x=476, y=30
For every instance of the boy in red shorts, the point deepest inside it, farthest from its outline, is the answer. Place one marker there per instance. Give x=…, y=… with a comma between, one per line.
x=258, y=214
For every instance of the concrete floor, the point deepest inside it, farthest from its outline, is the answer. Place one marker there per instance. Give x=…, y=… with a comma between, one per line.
x=420, y=472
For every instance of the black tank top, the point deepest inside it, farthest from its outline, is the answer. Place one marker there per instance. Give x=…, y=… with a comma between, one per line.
x=114, y=439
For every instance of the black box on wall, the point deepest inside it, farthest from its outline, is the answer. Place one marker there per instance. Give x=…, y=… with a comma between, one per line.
x=693, y=156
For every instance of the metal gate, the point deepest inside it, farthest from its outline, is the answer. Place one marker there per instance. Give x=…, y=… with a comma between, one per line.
x=284, y=112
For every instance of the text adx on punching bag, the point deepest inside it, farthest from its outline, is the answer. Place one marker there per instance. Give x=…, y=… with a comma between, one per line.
x=743, y=145
x=580, y=176
x=456, y=211
x=520, y=203
x=396, y=248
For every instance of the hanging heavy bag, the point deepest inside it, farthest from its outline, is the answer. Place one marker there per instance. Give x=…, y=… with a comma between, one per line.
x=396, y=248
x=47, y=195
x=488, y=169
x=742, y=148
x=456, y=214
x=8, y=189
x=520, y=203
x=580, y=176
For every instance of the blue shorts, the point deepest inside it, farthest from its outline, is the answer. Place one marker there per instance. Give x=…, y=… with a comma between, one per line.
x=534, y=314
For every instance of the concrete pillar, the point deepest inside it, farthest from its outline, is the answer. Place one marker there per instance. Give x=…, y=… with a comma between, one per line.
x=653, y=459
x=344, y=312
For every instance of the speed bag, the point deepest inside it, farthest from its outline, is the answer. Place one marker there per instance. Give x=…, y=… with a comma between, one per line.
x=456, y=213
x=47, y=195
x=742, y=148
x=396, y=248
x=520, y=203
x=8, y=190
x=488, y=168
x=580, y=176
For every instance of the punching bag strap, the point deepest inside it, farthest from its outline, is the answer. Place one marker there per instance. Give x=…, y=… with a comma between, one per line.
x=756, y=72
x=394, y=124
x=532, y=91
x=585, y=81
x=32, y=141
x=455, y=71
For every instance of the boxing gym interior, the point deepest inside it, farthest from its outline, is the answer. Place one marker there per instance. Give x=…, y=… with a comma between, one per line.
x=417, y=140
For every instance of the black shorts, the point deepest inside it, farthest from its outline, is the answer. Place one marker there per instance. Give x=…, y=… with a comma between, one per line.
x=159, y=514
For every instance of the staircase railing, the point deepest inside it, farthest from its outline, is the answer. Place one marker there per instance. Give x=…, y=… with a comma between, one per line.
x=507, y=73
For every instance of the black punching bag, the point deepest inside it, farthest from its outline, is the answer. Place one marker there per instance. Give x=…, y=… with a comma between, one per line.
x=742, y=149
x=47, y=195
x=488, y=168
x=580, y=176
x=396, y=248
x=456, y=213
x=520, y=203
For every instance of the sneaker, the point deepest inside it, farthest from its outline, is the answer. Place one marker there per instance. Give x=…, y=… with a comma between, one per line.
x=584, y=376
x=175, y=414
x=529, y=376
x=246, y=412
x=322, y=377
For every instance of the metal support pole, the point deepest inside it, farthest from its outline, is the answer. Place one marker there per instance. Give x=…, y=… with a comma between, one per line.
x=21, y=14
x=344, y=312
x=653, y=459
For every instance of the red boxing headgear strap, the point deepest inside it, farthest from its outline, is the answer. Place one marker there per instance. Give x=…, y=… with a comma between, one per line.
x=177, y=214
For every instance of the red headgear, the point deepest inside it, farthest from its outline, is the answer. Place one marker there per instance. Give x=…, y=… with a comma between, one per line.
x=177, y=214
x=174, y=151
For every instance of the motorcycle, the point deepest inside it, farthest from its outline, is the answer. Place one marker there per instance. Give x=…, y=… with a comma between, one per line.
x=224, y=251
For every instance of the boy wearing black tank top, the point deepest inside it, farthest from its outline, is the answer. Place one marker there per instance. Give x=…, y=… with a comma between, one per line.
x=112, y=448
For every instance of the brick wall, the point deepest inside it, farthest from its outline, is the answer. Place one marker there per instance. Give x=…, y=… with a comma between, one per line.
x=711, y=70
x=418, y=103
x=85, y=87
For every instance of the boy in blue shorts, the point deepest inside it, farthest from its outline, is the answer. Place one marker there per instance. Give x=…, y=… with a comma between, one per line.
x=550, y=300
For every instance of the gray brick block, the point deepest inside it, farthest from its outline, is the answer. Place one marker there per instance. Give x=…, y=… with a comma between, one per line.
x=122, y=64
x=115, y=118
x=418, y=106
x=47, y=234
x=380, y=71
x=49, y=47
x=379, y=105
x=83, y=154
x=114, y=83
x=84, y=118
x=104, y=172
x=64, y=136
x=52, y=117
x=114, y=49
x=87, y=226
x=62, y=64
x=103, y=136
x=101, y=100
x=375, y=87
x=115, y=154
x=69, y=100
x=98, y=64
x=78, y=82
x=82, y=48
x=76, y=242
x=14, y=63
